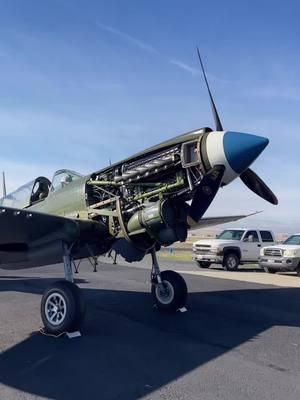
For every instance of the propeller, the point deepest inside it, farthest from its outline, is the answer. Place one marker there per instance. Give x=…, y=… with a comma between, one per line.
x=248, y=177
x=205, y=193
x=254, y=183
x=218, y=124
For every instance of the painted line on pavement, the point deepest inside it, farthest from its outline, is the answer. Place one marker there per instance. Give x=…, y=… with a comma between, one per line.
x=261, y=278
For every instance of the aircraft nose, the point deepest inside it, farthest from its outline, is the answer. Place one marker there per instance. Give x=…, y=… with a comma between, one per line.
x=241, y=149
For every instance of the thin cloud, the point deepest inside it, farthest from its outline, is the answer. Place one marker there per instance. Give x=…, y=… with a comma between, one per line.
x=184, y=66
x=130, y=39
x=147, y=48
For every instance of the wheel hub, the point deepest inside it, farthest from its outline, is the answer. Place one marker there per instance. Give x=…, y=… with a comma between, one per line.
x=55, y=309
x=165, y=292
x=231, y=262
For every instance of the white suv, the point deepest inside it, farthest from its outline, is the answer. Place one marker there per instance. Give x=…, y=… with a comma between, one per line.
x=283, y=257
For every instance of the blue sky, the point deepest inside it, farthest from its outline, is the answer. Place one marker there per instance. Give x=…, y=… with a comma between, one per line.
x=82, y=82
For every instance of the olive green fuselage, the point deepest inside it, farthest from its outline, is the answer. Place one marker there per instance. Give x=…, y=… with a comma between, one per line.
x=66, y=202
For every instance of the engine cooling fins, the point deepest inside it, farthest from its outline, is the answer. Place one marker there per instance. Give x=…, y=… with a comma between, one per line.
x=255, y=183
x=205, y=193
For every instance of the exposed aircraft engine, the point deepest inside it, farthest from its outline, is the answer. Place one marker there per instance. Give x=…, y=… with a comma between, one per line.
x=154, y=197
x=144, y=199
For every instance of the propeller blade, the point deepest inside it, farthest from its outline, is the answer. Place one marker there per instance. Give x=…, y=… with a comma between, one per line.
x=254, y=183
x=214, y=109
x=205, y=193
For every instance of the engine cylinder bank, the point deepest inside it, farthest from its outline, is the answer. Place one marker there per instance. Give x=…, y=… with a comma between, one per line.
x=144, y=167
x=164, y=220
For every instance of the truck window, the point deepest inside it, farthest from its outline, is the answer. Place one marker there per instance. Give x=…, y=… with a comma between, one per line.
x=266, y=236
x=233, y=234
x=251, y=233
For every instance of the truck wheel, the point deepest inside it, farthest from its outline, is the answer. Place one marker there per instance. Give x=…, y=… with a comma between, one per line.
x=203, y=264
x=269, y=270
x=231, y=262
x=298, y=271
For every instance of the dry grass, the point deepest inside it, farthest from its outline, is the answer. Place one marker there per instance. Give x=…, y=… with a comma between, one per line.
x=183, y=256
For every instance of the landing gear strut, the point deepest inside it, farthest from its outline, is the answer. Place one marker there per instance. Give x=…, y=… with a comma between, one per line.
x=62, y=305
x=169, y=289
x=92, y=259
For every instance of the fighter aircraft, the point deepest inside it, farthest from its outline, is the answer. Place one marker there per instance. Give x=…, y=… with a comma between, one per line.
x=134, y=207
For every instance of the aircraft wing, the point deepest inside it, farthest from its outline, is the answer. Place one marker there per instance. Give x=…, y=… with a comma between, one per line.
x=212, y=221
x=24, y=227
x=33, y=236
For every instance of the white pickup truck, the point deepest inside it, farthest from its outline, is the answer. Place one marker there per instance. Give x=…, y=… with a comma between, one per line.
x=233, y=247
x=282, y=257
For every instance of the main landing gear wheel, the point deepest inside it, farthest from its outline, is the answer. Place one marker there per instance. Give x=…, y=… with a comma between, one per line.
x=203, y=264
x=231, y=262
x=62, y=308
x=171, y=293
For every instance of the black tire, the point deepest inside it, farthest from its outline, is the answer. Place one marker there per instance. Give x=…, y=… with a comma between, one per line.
x=68, y=296
x=269, y=270
x=177, y=292
x=203, y=264
x=298, y=271
x=231, y=262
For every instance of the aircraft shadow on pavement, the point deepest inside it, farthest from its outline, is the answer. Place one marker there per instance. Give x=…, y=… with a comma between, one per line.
x=129, y=349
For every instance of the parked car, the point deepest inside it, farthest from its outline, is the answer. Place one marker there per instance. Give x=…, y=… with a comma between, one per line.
x=283, y=257
x=233, y=247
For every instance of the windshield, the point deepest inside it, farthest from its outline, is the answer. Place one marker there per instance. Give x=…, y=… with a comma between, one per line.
x=62, y=178
x=231, y=234
x=295, y=239
x=19, y=198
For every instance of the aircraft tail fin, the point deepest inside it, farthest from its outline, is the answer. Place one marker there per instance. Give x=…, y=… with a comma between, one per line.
x=3, y=184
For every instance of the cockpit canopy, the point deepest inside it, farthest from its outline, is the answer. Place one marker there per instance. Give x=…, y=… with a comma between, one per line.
x=27, y=194
x=38, y=189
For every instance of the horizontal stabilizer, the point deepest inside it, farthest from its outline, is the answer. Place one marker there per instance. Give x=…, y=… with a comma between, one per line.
x=212, y=221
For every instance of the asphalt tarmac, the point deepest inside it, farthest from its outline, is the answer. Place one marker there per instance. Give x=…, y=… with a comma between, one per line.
x=238, y=340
